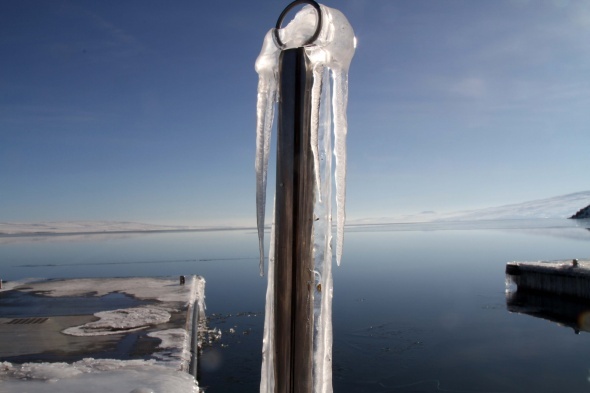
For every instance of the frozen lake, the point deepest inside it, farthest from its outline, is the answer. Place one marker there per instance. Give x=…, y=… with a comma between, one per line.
x=417, y=307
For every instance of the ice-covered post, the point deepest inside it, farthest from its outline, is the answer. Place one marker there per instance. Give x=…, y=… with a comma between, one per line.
x=293, y=221
x=303, y=67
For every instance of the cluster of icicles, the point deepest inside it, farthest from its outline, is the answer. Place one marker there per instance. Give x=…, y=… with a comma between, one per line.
x=329, y=56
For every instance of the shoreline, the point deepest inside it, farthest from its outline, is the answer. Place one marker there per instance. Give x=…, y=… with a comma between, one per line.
x=120, y=232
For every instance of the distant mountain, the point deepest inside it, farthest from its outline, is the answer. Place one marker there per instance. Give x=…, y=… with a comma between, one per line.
x=582, y=213
x=563, y=206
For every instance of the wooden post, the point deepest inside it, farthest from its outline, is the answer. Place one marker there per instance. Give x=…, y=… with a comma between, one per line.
x=293, y=221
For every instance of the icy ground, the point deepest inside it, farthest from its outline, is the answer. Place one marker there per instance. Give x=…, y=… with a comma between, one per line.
x=166, y=373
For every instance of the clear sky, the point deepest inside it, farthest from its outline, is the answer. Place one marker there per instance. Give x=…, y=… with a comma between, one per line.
x=145, y=110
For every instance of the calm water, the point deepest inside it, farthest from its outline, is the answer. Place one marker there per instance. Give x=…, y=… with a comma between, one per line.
x=417, y=307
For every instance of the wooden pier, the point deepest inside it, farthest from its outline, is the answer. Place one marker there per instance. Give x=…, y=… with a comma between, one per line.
x=134, y=333
x=565, y=278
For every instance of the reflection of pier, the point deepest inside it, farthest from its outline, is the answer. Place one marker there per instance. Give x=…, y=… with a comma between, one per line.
x=557, y=291
x=564, y=310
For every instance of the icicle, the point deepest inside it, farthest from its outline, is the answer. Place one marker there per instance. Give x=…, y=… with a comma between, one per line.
x=316, y=90
x=322, y=250
x=267, y=377
x=267, y=96
x=340, y=100
x=334, y=49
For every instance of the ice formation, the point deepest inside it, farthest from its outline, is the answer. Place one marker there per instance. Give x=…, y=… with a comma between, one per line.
x=330, y=56
x=121, y=321
x=176, y=343
x=95, y=375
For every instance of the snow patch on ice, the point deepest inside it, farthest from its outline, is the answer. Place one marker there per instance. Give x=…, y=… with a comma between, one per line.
x=142, y=390
x=121, y=321
x=7, y=286
x=162, y=289
x=173, y=340
x=95, y=376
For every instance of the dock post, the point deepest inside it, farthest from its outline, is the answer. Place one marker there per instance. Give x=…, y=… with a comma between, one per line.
x=294, y=219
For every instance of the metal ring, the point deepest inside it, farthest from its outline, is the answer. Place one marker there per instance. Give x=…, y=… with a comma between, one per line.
x=315, y=35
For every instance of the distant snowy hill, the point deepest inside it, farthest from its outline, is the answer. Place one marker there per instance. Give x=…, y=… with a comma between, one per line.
x=557, y=207
x=17, y=228
x=563, y=206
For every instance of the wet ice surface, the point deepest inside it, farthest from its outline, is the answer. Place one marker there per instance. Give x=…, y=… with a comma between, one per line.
x=165, y=371
x=23, y=304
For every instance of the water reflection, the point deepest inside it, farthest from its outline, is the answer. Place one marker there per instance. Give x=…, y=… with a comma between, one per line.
x=565, y=311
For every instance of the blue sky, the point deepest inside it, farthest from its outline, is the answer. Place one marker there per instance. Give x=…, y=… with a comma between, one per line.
x=145, y=111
